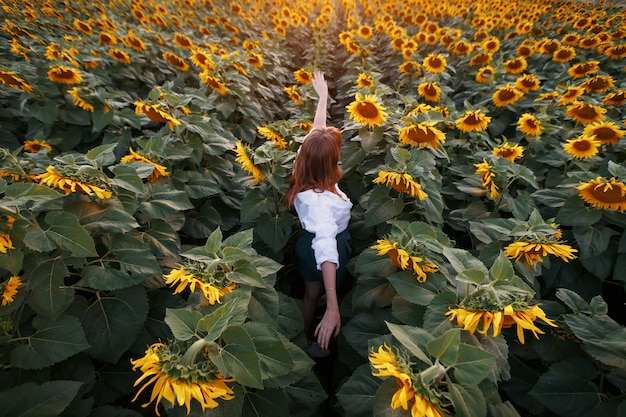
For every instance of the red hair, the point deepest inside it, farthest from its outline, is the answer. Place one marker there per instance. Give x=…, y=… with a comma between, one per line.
x=316, y=166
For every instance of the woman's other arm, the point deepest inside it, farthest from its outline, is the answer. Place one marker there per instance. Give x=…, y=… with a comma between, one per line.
x=321, y=88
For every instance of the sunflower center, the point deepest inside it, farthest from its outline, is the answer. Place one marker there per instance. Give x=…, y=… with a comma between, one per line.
x=564, y=54
x=582, y=145
x=505, y=95
x=607, y=193
x=531, y=123
x=367, y=110
x=605, y=134
x=586, y=112
x=515, y=64
x=435, y=62
x=417, y=135
x=528, y=83
x=472, y=120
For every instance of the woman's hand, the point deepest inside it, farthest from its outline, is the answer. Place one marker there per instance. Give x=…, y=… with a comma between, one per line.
x=319, y=84
x=327, y=328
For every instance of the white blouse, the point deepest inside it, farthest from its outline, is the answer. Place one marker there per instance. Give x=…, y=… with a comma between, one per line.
x=324, y=214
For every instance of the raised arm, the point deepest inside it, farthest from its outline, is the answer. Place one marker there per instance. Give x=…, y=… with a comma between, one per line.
x=321, y=88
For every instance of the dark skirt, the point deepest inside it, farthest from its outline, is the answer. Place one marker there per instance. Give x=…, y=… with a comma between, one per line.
x=307, y=266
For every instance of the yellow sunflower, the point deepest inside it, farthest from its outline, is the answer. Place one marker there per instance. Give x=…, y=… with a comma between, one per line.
x=410, y=67
x=175, y=61
x=120, y=56
x=527, y=82
x=83, y=27
x=178, y=382
x=482, y=58
x=9, y=78
x=9, y=289
x=365, y=31
x=202, y=59
x=510, y=152
x=135, y=42
x=430, y=91
x=401, y=182
x=529, y=125
x=303, y=76
x=486, y=178
x=246, y=162
x=515, y=65
x=293, y=94
x=270, y=134
x=582, y=69
x=108, y=39
x=404, y=260
x=64, y=75
x=582, y=147
x=616, y=98
x=564, y=54
x=154, y=113
x=183, y=41
x=523, y=319
x=598, y=84
x=79, y=101
x=491, y=44
x=585, y=113
x=435, y=63
x=364, y=81
x=34, y=146
x=5, y=243
x=571, y=94
x=255, y=59
x=485, y=74
x=211, y=286
x=506, y=95
x=366, y=110
x=423, y=134
x=616, y=51
x=608, y=133
x=534, y=251
x=213, y=82
x=70, y=184
x=603, y=194
x=472, y=121
x=158, y=172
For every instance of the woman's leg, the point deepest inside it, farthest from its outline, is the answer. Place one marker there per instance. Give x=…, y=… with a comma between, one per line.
x=312, y=293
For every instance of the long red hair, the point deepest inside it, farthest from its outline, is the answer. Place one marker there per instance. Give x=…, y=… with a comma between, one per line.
x=316, y=165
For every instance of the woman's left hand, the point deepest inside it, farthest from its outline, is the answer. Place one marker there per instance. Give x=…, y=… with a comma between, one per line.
x=327, y=328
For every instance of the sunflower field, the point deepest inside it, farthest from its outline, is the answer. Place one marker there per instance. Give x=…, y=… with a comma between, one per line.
x=147, y=257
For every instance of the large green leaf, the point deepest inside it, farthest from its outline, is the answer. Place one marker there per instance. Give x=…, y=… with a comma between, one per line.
x=217, y=321
x=575, y=213
x=51, y=342
x=381, y=207
x=38, y=400
x=265, y=403
x=602, y=337
x=364, y=326
x=113, y=321
x=20, y=193
x=63, y=230
x=274, y=230
x=104, y=154
x=305, y=395
x=238, y=358
x=109, y=217
x=382, y=401
x=126, y=177
x=162, y=202
x=473, y=364
x=182, y=322
x=263, y=306
x=49, y=296
x=254, y=203
x=245, y=273
x=274, y=358
x=356, y=395
x=290, y=321
x=592, y=240
x=407, y=285
x=414, y=339
x=468, y=400
x=446, y=347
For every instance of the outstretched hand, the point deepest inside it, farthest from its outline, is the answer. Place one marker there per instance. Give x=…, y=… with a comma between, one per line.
x=327, y=328
x=319, y=83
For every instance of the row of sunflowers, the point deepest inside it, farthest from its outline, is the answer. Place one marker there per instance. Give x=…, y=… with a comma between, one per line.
x=146, y=254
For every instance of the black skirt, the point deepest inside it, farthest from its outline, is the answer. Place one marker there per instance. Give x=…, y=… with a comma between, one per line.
x=307, y=266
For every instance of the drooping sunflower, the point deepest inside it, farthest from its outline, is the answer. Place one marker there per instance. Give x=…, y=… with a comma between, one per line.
x=505, y=95
x=154, y=113
x=460, y=47
x=515, y=65
x=9, y=289
x=564, y=54
x=430, y=91
x=120, y=56
x=366, y=110
x=159, y=171
x=423, y=134
x=5, y=243
x=571, y=94
x=272, y=135
x=583, y=147
x=246, y=162
x=583, y=68
x=529, y=124
x=524, y=319
x=482, y=58
x=598, y=84
x=434, y=63
x=533, y=251
x=11, y=79
x=79, y=101
x=293, y=94
x=604, y=194
x=64, y=75
x=616, y=98
x=410, y=67
x=175, y=61
x=615, y=51
x=108, y=39
x=193, y=274
x=70, y=183
x=510, y=152
x=472, y=121
x=405, y=258
x=183, y=41
x=608, y=133
x=255, y=59
x=487, y=178
x=364, y=81
x=213, y=82
x=303, y=76
x=585, y=113
x=35, y=145
x=527, y=82
x=485, y=74
x=401, y=182
x=83, y=27
x=177, y=381
x=202, y=59
x=134, y=41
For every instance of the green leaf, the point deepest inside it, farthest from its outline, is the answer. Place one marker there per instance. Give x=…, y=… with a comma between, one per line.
x=182, y=322
x=238, y=358
x=216, y=322
x=473, y=364
x=51, y=342
x=101, y=118
x=306, y=394
x=65, y=230
x=274, y=230
x=245, y=273
x=571, y=299
x=592, y=240
x=50, y=399
x=263, y=306
x=381, y=207
x=364, y=326
x=575, y=213
x=164, y=202
x=12, y=261
x=20, y=193
x=199, y=186
x=112, y=322
x=266, y=403
x=602, y=337
x=468, y=400
x=471, y=276
x=446, y=347
x=214, y=243
x=406, y=284
x=274, y=358
x=108, y=217
x=126, y=177
x=369, y=138
x=356, y=395
x=254, y=203
x=103, y=155
x=49, y=296
x=382, y=401
x=461, y=260
x=290, y=321
x=414, y=339
x=502, y=268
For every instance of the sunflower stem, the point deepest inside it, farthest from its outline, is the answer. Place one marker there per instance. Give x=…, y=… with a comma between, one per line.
x=189, y=357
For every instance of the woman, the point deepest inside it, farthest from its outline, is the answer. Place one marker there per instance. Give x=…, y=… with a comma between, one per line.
x=323, y=249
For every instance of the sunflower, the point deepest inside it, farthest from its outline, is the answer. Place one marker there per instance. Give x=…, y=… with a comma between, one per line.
x=212, y=286
x=583, y=68
x=159, y=171
x=255, y=59
x=34, y=146
x=564, y=54
x=9, y=78
x=410, y=67
x=403, y=259
x=430, y=91
x=527, y=82
x=482, y=58
x=529, y=125
x=5, y=243
x=294, y=95
x=534, y=251
x=365, y=110
x=303, y=76
x=183, y=41
x=524, y=51
x=364, y=81
x=589, y=42
x=585, y=113
x=79, y=101
x=515, y=65
x=175, y=61
x=598, y=84
x=485, y=74
x=435, y=63
x=616, y=98
x=571, y=94
x=120, y=56
x=70, y=183
x=491, y=44
x=508, y=152
x=606, y=132
x=582, y=147
x=246, y=162
x=524, y=319
x=83, y=27
x=472, y=121
x=135, y=42
x=401, y=182
x=108, y=39
x=616, y=51
x=505, y=95
x=270, y=134
x=154, y=113
x=486, y=178
x=423, y=134
x=213, y=82
x=202, y=59
x=460, y=47
x=9, y=288
x=64, y=75
x=365, y=31
x=179, y=382
x=604, y=194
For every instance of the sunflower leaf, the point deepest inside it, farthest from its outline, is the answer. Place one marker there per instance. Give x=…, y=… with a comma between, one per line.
x=51, y=399
x=238, y=358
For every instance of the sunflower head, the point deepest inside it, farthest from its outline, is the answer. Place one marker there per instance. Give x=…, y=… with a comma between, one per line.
x=366, y=110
